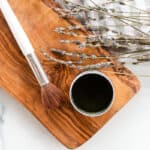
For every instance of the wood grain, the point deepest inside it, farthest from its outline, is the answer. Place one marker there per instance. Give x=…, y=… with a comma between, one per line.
x=39, y=22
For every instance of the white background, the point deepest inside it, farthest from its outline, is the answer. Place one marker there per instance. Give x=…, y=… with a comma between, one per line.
x=129, y=129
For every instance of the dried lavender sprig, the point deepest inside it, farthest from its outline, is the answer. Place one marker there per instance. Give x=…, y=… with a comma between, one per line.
x=130, y=12
x=98, y=9
x=99, y=38
x=82, y=56
x=69, y=30
x=69, y=11
x=61, y=31
x=94, y=45
x=133, y=54
x=89, y=67
x=110, y=2
x=81, y=44
x=95, y=66
x=83, y=8
x=107, y=41
x=121, y=43
x=136, y=56
x=79, y=27
x=78, y=42
x=76, y=65
x=121, y=19
x=126, y=23
x=125, y=4
x=50, y=58
x=89, y=27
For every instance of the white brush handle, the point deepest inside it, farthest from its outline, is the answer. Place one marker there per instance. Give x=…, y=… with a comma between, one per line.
x=16, y=28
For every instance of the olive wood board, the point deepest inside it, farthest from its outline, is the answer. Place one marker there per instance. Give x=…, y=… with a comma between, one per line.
x=39, y=21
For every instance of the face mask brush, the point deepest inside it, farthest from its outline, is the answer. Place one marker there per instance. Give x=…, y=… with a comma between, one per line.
x=51, y=96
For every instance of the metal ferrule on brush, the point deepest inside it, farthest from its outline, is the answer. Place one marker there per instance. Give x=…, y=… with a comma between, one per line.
x=37, y=69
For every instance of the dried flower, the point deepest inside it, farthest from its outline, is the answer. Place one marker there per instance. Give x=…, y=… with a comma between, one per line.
x=135, y=18
x=110, y=23
x=76, y=64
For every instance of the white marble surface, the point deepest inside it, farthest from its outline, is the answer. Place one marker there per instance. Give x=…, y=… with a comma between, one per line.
x=129, y=129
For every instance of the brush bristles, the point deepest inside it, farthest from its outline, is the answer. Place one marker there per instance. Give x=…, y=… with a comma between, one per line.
x=52, y=97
